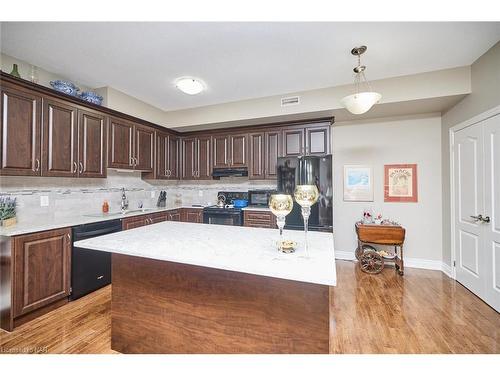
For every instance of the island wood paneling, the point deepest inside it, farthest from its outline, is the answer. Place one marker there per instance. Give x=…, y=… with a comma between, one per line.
x=165, y=307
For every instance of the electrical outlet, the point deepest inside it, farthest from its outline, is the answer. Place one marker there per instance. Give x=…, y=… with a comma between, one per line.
x=44, y=201
x=200, y=193
x=153, y=194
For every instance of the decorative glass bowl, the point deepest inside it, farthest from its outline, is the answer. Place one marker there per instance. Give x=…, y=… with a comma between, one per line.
x=91, y=97
x=65, y=87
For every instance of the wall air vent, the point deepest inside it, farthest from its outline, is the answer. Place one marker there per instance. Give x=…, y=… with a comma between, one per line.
x=291, y=100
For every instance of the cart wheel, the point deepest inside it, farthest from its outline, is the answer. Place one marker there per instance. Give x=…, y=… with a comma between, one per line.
x=360, y=250
x=371, y=262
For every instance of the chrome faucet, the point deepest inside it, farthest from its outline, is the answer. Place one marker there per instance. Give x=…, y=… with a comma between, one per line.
x=124, y=204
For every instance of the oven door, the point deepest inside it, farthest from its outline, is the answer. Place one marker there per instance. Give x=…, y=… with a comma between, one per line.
x=223, y=218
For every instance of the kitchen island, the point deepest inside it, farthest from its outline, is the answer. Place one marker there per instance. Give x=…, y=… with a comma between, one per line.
x=199, y=288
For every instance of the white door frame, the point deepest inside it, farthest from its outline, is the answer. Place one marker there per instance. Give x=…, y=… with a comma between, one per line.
x=474, y=120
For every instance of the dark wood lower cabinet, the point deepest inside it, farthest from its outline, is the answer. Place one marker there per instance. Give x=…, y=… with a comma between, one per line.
x=192, y=215
x=259, y=219
x=133, y=222
x=175, y=215
x=42, y=267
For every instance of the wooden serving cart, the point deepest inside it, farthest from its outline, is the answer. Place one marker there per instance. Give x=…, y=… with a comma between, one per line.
x=370, y=261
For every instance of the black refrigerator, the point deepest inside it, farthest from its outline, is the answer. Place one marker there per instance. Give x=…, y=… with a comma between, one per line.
x=308, y=170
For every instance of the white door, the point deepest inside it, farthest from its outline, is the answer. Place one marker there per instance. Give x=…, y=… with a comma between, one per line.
x=491, y=130
x=469, y=202
x=477, y=207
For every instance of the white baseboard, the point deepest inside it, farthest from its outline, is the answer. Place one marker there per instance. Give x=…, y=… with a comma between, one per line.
x=426, y=264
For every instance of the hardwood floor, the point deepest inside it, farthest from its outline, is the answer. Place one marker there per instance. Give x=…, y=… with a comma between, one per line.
x=422, y=312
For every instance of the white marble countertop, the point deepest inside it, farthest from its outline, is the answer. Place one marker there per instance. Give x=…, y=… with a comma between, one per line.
x=41, y=224
x=232, y=248
x=256, y=208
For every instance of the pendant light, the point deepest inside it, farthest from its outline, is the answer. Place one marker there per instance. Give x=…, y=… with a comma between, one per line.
x=361, y=101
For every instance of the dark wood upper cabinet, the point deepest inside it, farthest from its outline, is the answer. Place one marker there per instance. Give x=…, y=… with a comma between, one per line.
x=131, y=146
x=120, y=144
x=238, y=150
x=20, y=132
x=173, y=158
x=306, y=140
x=272, y=152
x=91, y=144
x=264, y=150
x=189, y=158
x=221, y=151
x=318, y=140
x=229, y=150
x=196, y=158
x=161, y=155
x=167, y=157
x=42, y=269
x=60, y=139
x=144, y=148
x=256, y=156
x=204, y=159
x=293, y=142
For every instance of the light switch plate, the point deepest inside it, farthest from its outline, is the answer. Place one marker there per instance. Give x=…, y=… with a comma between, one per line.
x=152, y=194
x=200, y=193
x=44, y=201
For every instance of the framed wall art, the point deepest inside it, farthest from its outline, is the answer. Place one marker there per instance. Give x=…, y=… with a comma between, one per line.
x=358, y=183
x=400, y=183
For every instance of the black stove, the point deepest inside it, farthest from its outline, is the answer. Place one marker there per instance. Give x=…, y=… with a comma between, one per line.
x=227, y=215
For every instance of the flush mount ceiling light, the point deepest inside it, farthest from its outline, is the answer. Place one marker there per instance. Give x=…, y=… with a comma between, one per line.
x=190, y=86
x=361, y=101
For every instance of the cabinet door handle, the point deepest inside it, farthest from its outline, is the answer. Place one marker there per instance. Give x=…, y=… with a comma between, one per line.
x=81, y=168
x=131, y=161
x=75, y=166
x=100, y=277
x=69, y=237
x=37, y=165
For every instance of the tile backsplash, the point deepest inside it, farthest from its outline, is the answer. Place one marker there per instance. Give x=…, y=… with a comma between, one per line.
x=75, y=196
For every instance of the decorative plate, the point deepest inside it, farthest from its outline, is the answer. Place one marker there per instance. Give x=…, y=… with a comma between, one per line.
x=65, y=87
x=91, y=97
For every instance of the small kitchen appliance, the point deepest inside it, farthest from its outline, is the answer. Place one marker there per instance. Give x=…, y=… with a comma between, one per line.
x=259, y=198
x=225, y=212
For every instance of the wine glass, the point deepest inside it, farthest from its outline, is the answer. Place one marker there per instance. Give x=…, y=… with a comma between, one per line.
x=280, y=205
x=306, y=196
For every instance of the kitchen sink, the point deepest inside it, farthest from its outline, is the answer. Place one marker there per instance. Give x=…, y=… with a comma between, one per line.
x=119, y=213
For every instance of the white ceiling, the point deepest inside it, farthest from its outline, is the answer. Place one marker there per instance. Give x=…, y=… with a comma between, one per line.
x=239, y=60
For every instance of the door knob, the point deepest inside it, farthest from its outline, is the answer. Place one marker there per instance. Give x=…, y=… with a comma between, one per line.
x=486, y=219
x=477, y=218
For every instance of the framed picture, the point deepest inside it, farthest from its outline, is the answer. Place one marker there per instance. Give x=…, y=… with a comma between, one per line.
x=400, y=183
x=358, y=183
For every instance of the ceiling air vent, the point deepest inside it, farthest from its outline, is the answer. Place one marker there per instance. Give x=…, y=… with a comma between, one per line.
x=291, y=100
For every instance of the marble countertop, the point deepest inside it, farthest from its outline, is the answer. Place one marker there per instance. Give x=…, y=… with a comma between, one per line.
x=232, y=248
x=42, y=224
x=256, y=208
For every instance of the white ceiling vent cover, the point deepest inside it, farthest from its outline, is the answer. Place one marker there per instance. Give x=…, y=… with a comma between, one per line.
x=291, y=100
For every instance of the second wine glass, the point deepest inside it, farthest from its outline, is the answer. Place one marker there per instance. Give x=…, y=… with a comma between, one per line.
x=306, y=196
x=280, y=205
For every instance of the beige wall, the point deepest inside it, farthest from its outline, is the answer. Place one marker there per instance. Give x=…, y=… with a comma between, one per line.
x=24, y=68
x=392, y=141
x=485, y=77
x=397, y=90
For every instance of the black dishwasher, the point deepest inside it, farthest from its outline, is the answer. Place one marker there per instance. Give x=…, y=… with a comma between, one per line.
x=91, y=269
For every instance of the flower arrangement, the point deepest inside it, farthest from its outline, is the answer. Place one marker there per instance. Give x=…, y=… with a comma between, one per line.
x=7, y=211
